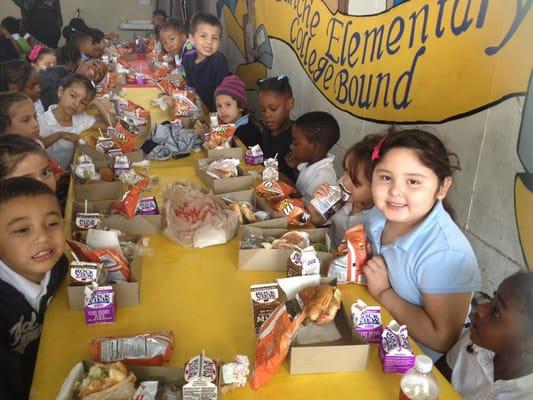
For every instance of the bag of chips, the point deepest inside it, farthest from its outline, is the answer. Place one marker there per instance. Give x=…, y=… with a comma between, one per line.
x=275, y=337
x=117, y=267
x=145, y=349
x=274, y=190
x=295, y=211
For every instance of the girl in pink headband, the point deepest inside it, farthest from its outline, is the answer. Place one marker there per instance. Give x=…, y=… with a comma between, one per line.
x=42, y=57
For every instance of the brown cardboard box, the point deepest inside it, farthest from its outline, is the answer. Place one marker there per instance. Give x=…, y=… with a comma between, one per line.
x=138, y=225
x=241, y=182
x=126, y=294
x=164, y=375
x=134, y=156
x=231, y=152
x=276, y=259
x=277, y=220
x=99, y=190
x=350, y=353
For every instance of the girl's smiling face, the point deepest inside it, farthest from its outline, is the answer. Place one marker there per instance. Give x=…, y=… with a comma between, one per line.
x=404, y=189
x=23, y=119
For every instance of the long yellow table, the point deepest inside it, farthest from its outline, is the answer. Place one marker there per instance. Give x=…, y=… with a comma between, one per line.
x=204, y=299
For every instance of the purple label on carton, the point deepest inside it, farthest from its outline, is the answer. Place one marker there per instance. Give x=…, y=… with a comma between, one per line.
x=395, y=353
x=368, y=326
x=100, y=305
x=147, y=206
x=395, y=363
x=251, y=159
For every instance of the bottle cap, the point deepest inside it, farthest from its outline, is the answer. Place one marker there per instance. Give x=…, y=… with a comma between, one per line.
x=423, y=364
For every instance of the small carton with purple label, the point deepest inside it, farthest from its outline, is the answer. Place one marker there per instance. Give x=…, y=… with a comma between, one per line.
x=121, y=165
x=254, y=155
x=100, y=305
x=147, y=206
x=367, y=321
x=395, y=353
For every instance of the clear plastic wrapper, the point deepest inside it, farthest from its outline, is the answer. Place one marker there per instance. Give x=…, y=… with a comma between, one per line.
x=225, y=168
x=193, y=219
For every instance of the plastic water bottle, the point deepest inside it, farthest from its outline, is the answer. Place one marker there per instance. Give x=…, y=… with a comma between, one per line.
x=419, y=383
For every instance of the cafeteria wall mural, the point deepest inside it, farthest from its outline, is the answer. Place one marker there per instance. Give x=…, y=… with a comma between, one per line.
x=459, y=68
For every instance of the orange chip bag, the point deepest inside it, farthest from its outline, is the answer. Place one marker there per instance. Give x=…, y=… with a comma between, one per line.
x=295, y=211
x=117, y=267
x=145, y=349
x=275, y=337
x=166, y=86
x=127, y=205
x=124, y=139
x=274, y=190
x=357, y=256
x=220, y=136
x=183, y=106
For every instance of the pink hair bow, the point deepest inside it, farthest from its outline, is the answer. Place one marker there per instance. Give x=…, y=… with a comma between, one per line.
x=34, y=52
x=377, y=149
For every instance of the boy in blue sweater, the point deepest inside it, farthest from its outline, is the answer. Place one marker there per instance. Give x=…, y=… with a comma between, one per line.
x=205, y=66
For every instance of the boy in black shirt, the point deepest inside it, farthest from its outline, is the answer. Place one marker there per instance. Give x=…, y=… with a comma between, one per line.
x=205, y=66
x=32, y=266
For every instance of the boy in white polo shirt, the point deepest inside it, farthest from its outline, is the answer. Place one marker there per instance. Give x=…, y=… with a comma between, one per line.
x=313, y=135
x=493, y=360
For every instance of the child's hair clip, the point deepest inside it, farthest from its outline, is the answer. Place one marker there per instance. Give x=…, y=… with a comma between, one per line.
x=377, y=149
x=283, y=78
x=34, y=52
x=92, y=83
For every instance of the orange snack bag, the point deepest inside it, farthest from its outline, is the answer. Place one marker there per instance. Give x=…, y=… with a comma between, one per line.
x=295, y=211
x=166, y=86
x=274, y=190
x=124, y=139
x=117, y=267
x=275, y=337
x=357, y=256
x=127, y=205
x=145, y=349
x=220, y=136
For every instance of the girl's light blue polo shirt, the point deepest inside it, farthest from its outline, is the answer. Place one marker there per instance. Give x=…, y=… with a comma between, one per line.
x=434, y=258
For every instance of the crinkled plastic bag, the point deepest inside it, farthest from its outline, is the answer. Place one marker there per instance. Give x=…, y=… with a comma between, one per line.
x=193, y=219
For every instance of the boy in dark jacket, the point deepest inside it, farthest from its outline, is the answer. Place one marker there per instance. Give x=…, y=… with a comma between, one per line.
x=32, y=266
x=205, y=66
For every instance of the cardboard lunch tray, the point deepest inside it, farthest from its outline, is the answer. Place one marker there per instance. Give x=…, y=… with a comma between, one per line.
x=165, y=375
x=126, y=294
x=241, y=182
x=134, y=156
x=349, y=353
x=276, y=259
x=138, y=225
x=97, y=190
x=277, y=220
